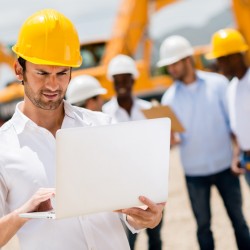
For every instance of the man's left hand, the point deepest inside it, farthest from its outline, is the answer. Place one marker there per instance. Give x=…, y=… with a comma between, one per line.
x=139, y=218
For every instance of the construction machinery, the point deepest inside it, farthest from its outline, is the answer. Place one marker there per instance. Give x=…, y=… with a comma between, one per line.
x=13, y=92
x=130, y=37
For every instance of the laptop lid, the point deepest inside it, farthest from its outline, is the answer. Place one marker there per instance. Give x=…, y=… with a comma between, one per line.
x=105, y=168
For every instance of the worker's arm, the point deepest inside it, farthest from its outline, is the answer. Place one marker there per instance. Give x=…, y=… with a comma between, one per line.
x=11, y=223
x=235, y=166
x=139, y=218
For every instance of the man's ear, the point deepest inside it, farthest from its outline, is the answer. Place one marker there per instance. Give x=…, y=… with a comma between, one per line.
x=18, y=71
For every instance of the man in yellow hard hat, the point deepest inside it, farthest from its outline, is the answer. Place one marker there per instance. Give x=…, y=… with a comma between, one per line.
x=47, y=49
x=228, y=48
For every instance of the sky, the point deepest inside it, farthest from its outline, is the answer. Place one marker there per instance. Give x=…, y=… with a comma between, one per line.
x=94, y=19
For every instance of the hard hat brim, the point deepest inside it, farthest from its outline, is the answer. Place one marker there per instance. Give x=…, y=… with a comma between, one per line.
x=166, y=62
x=83, y=98
x=213, y=55
x=174, y=59
x=45, y=62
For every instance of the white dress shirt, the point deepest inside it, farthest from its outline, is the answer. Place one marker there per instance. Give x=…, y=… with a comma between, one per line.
x=27, y=162
x=239, y=109
x=121, y=115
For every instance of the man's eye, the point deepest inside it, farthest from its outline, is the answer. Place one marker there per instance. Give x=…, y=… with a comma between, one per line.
x=62, y=73
x=41, y=73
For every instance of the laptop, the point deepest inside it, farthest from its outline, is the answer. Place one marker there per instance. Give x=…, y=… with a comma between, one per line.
x=106, y=168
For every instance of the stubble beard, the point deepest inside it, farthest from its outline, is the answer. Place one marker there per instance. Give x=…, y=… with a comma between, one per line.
x=36, y=98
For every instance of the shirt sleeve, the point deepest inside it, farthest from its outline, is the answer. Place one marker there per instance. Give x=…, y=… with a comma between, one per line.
x=123, y=217
x=224, y=101
x=168, y=96
x=3, y=193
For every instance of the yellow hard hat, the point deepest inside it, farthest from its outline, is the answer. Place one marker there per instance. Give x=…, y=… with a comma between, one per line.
x=49, y=38
x=226, y=42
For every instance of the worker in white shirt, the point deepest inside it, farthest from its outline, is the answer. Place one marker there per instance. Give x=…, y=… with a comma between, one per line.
x=228, y=48
x=27, y=141
x=86, y=91
x=122, y=71
x=124, y=106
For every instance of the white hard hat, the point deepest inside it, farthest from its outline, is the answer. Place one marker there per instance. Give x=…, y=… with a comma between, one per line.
x=122, y=64
x=82, y=88
x=173, y=49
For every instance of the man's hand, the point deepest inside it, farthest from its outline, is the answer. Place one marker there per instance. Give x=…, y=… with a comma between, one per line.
x=39, y=202
x=139, y=218
x=236, y=168
x=11, y=223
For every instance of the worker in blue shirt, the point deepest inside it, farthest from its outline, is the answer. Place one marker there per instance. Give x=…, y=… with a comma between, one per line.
x=199, y=100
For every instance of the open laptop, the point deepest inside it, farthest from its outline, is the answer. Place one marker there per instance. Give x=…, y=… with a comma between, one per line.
x=105, y=168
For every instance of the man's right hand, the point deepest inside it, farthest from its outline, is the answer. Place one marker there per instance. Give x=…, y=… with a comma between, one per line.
x=236, y=168
x=11, y=223
x=39, y=202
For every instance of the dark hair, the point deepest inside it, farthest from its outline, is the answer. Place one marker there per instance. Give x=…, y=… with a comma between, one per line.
x=22, y=62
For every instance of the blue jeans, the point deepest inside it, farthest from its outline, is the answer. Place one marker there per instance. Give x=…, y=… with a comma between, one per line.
x=199, y=189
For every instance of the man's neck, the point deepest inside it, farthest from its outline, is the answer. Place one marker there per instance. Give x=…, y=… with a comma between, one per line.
x=126, y=103
x=241, y=72
x=190, y=76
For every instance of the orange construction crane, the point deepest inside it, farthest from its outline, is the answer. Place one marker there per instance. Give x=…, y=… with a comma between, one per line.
x=130, y=37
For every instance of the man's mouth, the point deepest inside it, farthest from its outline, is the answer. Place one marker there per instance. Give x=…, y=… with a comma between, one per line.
x=122, y=91
x=51, y=95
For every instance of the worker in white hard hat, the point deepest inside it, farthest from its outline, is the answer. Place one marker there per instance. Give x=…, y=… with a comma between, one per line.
x=86, y=91
x=122, y=71
x=199, y=100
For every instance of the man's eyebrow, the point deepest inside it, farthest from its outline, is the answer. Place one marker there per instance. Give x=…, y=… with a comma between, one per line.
x=64, y=71
x=47, y=72
x=41, y=70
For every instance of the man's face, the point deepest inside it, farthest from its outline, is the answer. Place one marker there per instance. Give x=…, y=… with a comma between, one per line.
x=95, y=103
x=123, y=85
x=227, y=65
x=178, y=70
x=44, y=85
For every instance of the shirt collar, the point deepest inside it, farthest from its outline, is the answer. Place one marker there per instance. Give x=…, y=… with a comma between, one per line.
x=21, y=120
x=68, y=108
x=245, y=78
x=116, y=106
x=200, y=79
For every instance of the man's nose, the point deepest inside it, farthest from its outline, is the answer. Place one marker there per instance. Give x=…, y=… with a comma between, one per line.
x=52, y=83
